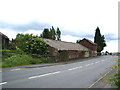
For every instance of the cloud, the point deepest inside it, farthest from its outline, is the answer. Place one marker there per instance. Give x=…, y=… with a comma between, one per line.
x=9, y=32
x=112, y=43
x=12, y=33
x=90, y=35
x=24, y=27
x=112, y=46
x=34, y=32
x=69, y=38
x=110, y=37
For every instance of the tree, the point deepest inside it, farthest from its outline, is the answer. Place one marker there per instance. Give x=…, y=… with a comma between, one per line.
x=78, y=41
x=21, y=40
x=52, y=33
x=45, y=33
x=31, y=44
x=106, y=53
x=99, y=40
x=58, y=34
x=37, y=46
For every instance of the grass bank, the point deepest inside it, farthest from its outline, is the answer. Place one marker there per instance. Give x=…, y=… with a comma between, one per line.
x=12, y=58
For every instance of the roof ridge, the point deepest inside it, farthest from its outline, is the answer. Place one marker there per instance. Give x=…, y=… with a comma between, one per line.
x=90, y=41
x=61, y=41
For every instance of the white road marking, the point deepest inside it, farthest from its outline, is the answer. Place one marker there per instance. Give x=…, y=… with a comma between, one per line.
x=98, y=80
x=97, y=62
x=44, y=75
x=103, y=60
x=0, y=71
x=15, y=69
x=87, y=65
x=91, y=63
x=3, y=83
x=75, y=68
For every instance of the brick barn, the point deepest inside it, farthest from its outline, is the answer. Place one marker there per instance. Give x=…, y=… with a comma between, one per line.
x=62, y=51
x=90, y=45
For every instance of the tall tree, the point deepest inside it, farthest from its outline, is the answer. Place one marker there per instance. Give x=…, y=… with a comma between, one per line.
x=58, y=34
x=100, y=40
x=45, y=33
x=78, y=41
x=52, y=33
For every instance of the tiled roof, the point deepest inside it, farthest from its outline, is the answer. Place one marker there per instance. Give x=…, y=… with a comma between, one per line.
x=61, y=45
x=89, y=41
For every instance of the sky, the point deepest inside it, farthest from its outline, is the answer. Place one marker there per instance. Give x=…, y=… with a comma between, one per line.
x=77, y=19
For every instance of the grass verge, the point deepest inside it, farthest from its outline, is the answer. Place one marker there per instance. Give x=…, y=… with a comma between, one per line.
x=12, y=58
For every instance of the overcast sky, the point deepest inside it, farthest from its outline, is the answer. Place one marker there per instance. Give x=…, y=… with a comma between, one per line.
x=77, y=19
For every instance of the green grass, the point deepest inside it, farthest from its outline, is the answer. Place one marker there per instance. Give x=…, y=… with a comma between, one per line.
x=12, y=58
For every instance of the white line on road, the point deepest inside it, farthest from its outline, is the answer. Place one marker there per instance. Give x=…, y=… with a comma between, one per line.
x=87, y=65
x=3, y=83
x=103, y=60
x=98, y=79
x=75, y=68
x=91, y=63
x=97, y=62
x=15, y=69
x=44, y=75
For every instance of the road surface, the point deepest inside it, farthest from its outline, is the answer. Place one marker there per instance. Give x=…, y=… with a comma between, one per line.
x=80, y=74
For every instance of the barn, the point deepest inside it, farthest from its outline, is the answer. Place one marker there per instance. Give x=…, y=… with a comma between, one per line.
x=90, y=45
x=4, y=40
x=62, y=51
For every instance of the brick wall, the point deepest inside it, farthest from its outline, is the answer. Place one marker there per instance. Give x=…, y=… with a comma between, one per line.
x=89, y=45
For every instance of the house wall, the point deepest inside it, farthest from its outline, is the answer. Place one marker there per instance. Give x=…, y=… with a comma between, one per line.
x=87, y=54
x=89, y=45
x=73, y=54
x=4, y=41
x=64, y=55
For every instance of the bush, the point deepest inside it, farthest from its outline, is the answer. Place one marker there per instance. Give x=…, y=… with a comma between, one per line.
x=17, y=57
x=31, y=44
x=36, y=46
x=17, y=60
x=114, y=79
x=9, y=53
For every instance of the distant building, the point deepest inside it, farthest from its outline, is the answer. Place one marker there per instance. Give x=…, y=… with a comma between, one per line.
x=90, y=45
x=61, y=50
x=4, y=40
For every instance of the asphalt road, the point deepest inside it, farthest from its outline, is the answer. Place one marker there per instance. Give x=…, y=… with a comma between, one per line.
x=80, y=74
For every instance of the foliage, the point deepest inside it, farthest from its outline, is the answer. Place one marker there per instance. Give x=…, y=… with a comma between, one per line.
x=58, y=34
x=78, y=41
x=8, y=53
x=114, y=79
x=100, y=40
x=52, y=33
x=46, y=33
x=17, y=57
x=36, y=46
x=12, y=46
x=31, y=44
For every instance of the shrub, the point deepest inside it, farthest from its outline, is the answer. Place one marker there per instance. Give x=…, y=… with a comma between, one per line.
x=17, y=60
x=37, y=46
x=31, y=44
x=114, y=79
x=9, y=53
x=17, y=57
